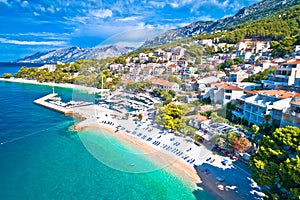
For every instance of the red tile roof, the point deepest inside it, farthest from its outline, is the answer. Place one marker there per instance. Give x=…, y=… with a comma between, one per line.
x=279, y=93
x=160, y=81
x=296, y=103
x=226, y=86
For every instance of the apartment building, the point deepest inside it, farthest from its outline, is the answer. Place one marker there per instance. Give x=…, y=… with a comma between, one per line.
x=291, y=117
x=222, y=93
x=253, y=106
x=285, y=75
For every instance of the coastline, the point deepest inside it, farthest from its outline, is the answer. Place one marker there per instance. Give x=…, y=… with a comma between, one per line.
x=51, y=84
x=179, y=168
x=196, y=179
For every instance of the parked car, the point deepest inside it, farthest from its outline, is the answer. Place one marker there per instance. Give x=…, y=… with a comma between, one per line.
x=220, y=179
x=224, y=162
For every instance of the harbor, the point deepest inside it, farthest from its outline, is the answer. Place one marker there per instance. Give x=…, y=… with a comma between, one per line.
x=53, y=102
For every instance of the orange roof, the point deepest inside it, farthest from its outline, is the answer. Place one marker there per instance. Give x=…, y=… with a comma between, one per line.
x=160, y=81
x=200, y=118
x=251, y=91
x=296, y=103
x=226, y=86
x=276, y=93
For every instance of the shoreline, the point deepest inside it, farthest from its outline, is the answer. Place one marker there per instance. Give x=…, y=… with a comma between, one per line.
x=178, y=168
x=51, y=84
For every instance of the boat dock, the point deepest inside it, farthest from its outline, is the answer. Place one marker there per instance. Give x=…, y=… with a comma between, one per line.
x=44, y=101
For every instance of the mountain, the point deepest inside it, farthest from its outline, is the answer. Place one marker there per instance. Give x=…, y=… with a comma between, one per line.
x=71, y=54
x=253, y=12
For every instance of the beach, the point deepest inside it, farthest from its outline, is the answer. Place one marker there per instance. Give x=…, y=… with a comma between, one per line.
x=169, y=161
x=87, y=116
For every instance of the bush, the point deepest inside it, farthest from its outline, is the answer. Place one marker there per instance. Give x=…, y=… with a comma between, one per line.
x=7, y=75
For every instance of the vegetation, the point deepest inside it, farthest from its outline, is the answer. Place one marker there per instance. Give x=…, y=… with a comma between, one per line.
x=283, y=47
x=171, y=116
x=215, y=117
x=262, y=75
x=229, y=62
x=138, y=86
x=7, y=75
x=168, y=95
x=277, y=163
x=174, y=79
x=240, y=144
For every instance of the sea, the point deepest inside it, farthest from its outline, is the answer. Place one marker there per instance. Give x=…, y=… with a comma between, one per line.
x=41, y=157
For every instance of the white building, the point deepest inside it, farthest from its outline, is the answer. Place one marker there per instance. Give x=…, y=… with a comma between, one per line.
x=222, y=93
x=253, y=106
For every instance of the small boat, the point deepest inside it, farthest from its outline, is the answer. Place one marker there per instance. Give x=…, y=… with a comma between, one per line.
x=132, y=164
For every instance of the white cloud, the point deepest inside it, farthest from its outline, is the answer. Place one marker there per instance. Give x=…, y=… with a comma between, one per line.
x=157, y=4
x=132, y=18
x=206, y=18
x=18, y=42
x=24, y=4
x=5, y=2
x=36, y=14
x=101, y=13
x=174, y=5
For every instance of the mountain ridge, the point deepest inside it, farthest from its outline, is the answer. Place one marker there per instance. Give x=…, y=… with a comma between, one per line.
x=253, y=12
x=73, y=53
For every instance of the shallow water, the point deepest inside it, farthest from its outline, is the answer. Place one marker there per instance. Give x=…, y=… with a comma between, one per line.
x=41, y=158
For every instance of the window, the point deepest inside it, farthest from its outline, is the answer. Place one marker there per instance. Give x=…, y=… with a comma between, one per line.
x=227, y=97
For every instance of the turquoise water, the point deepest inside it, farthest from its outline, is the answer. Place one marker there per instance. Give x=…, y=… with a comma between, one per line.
x=41, y=158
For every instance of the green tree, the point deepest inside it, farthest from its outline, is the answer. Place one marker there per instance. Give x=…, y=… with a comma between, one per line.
x=7, y=75
x=277, y=163
x=171, y=116
x=255, y=130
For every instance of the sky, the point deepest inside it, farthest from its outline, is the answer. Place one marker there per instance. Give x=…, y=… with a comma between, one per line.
x=29, y=26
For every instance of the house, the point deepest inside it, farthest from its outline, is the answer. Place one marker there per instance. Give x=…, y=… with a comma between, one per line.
x=237, y=76
x=253, y=106
x=158, y=71
x=116, y=67
x=222, y=93
x=147, y=71
x=50, y=67
x=285, y=75
x=197, y=121
x=291, y=117
x=173, y=68
x=163, y=84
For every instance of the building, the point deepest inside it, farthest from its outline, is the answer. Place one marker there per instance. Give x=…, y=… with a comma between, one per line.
x=160, y=83
x=253, y=106
x=285, y=75
x=291, y=117
x=237, y=76
x=222, y=93
x=198, y=121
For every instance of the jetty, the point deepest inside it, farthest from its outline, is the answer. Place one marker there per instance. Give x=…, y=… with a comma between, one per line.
x=49, y=101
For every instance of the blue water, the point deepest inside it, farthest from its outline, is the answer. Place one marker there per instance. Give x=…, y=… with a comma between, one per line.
x=42, y=158
x=6, y=67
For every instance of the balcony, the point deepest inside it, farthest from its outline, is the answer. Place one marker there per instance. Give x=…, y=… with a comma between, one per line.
x=240, y=106
x=237, y=113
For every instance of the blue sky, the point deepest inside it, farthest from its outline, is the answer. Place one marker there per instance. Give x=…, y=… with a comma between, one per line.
x=41, y=25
